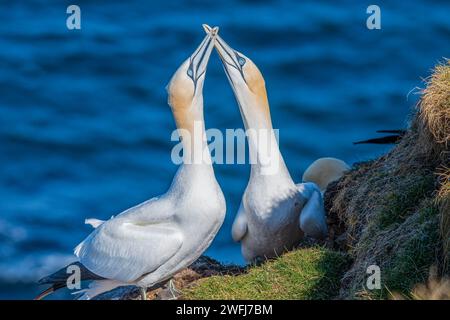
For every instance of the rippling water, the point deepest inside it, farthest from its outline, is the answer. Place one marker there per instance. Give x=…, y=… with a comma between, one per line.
x=85, y=128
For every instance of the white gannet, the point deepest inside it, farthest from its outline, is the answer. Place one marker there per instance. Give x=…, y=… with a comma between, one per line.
x=274, y=210
x=147, y=244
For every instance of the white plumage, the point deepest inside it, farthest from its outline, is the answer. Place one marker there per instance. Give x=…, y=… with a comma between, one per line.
x=275, y=213
x=119, y=248
x=149, y=243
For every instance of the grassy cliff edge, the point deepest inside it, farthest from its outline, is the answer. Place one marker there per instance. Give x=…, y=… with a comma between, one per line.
x=393, y=211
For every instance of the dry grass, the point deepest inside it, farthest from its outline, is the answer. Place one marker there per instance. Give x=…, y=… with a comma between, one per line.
x=434, y=109
x=434, y=289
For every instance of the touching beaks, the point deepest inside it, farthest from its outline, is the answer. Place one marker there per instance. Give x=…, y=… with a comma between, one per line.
x=231, y=60
x=213, y=31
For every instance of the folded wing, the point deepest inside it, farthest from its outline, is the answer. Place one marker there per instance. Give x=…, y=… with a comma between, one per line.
x=312, y=217
x=124, y=249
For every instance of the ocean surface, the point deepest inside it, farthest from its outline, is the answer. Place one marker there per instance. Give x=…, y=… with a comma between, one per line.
x=85, y=127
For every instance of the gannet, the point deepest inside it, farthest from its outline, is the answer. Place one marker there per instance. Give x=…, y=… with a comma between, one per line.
x=275, y=213
x=147, y=244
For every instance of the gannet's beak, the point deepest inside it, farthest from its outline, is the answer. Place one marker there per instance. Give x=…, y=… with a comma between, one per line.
x=230, y=60
x=198, y=62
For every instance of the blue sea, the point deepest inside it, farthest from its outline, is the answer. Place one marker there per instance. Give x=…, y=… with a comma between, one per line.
x=85, y=127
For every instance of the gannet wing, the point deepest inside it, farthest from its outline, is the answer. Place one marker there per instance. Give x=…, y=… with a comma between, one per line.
x=123, y=249
x=313, y=217
x=239, y=228
x=154, y=210
x=159, y=211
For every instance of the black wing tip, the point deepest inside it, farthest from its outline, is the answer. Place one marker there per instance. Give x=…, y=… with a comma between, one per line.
x=60, y=275
x=394, y=137
x=383, y=140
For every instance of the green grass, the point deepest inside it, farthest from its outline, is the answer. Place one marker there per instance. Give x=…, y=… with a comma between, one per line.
x=307, y=273
x=402, y=202
x=410, y=263
x=402, y=237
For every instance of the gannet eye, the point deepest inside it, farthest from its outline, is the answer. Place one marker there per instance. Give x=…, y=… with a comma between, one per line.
x=241, y=61
x=190, y=73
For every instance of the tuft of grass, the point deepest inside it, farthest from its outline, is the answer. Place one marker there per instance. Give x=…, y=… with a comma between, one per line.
x=307, y=273
x=435, y=105
x=436, y=288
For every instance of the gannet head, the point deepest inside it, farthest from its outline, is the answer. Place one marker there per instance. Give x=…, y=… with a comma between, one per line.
x=246, y=80
x=185, y=89
x=323, y=171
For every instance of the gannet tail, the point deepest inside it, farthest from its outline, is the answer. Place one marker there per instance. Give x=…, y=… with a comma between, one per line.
x=58, y=280
x=325, y=170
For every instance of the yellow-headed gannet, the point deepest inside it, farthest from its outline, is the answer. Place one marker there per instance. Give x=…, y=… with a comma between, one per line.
x=147, y=244
x=274, y=210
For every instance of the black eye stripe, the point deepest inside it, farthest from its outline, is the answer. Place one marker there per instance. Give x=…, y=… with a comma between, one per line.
x=235, y=65
x=226, y=52
x=203, y=55
x=191, y=73
x=206, y=41
x=232, y=65
x=199, y=48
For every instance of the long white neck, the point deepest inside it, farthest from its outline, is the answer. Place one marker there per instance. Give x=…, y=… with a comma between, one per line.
x=267, y=163
x=197, y=166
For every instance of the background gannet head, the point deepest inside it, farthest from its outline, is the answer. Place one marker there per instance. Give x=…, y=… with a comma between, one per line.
x=323, y=171
x=247, y=82
x=185, y=89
